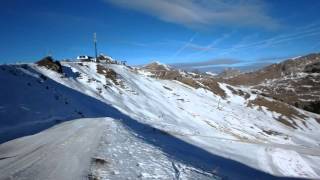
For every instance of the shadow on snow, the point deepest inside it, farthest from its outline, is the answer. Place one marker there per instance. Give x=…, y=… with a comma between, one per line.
x=53, y=111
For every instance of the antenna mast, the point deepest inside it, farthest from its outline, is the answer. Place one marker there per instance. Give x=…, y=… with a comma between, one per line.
x=95, y=45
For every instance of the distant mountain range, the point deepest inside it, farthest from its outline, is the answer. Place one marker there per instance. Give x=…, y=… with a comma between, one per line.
x=219, y=65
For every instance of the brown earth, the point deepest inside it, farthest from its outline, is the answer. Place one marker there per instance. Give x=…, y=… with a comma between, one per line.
x=108, y=73
x=301, y=92
x=239, y=92
x=49, y=63
x=214, y=87
x=155, y=67
x=274, y=71
x=292, y=81
x=281, y=108
x=195, y=81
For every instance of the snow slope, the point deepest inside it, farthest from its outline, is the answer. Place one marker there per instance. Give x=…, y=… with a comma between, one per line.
x=61, y=152
x=193, y=132
x=31, y=102
x=129, y=157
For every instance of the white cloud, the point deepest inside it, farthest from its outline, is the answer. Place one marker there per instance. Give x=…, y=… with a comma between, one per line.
x=203, y=13
x=299, y=33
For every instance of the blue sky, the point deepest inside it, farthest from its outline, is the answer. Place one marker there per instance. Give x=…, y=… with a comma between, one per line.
x=170, y=31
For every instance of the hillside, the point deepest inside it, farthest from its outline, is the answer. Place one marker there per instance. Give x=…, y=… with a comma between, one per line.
x=295, y=81
x=153, y=124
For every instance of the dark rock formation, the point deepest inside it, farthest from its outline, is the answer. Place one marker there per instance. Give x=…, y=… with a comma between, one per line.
x=49, y=63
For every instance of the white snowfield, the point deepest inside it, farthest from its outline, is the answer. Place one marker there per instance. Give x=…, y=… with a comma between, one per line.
x=61, y=152
x=160, y=129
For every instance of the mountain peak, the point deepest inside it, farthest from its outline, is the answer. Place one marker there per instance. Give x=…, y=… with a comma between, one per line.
x=156, y=65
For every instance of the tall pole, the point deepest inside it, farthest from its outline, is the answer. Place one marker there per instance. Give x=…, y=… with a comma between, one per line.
x=95, y=45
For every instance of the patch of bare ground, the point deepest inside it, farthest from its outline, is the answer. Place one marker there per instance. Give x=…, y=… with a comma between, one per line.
x=309, y=106
x=214, y=87
x=155, y=66
x=274, y=133
x=207, y=83
x=271, y=132
x=276, y=71
x=294, y=81
x=190, y=82
x=279, y=107
x=108, y=73
x=167, y=88
x=81, y=64
x=170, y=75
x=253, y=78
x=49, y=63
x=301, y=92
x=97, y=163
x=313, y=68
x=239, y=92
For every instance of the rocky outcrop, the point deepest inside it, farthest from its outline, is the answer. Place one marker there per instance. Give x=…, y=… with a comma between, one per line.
x=108, y=73
x=312, y=68
x=49, y=63
x=276, y=71
x=156, y=66
x=295, y=81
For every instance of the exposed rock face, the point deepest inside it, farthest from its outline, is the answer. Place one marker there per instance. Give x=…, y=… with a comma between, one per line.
x=275, y=71
x=287, y=113
x=108, y=73
x=312, y=68
x=171, y=74
x=294, y=81
x=213, y=86
x=156, y=66
x=162, y=71
x=49, y=63
x=194, y=79
x=301, y=90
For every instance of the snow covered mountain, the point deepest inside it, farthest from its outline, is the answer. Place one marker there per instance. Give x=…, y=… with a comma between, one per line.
x=138, y=123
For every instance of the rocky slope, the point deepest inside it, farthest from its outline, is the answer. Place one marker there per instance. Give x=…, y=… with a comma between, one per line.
x=160, y=126
x=294, y=81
